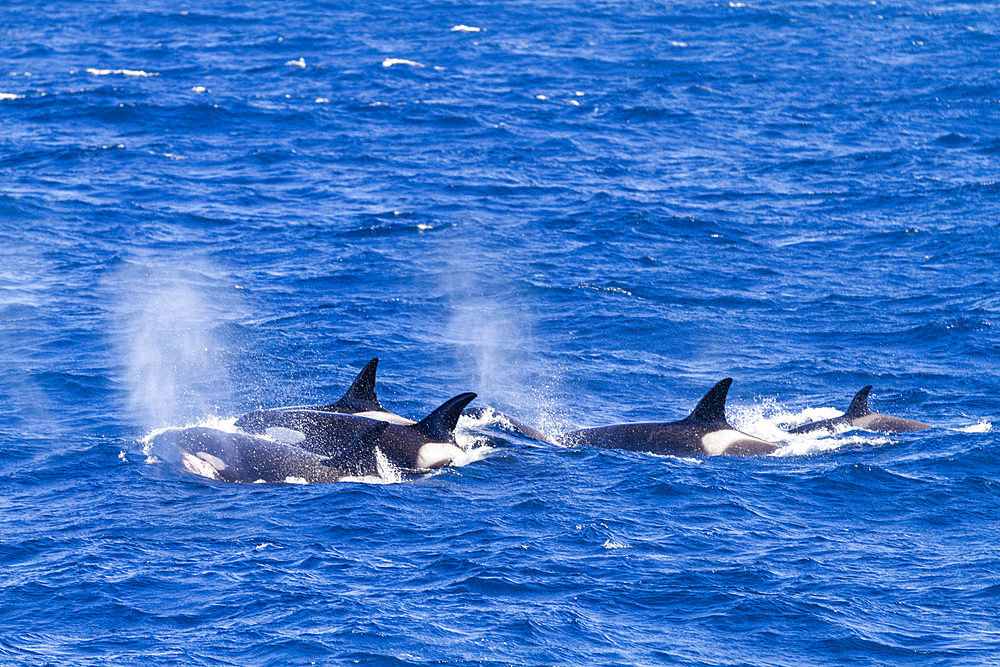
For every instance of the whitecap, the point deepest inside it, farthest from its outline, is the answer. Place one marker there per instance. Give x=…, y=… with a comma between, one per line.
x=10, y=96
x=981, y=427
x=301, y=62
x=465, y=28
x=770, y=421
x=605, y=288
x=124, y=72
x=200, y=89
x=611, y=544
x=389, y=62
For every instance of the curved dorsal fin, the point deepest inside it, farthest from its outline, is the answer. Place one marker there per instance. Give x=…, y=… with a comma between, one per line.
x=439, y=425
x=361, y=396
x=859, y=406
x=358, y=458
x=711, y=409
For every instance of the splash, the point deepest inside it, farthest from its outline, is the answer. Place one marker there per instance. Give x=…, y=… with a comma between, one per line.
x=981, y=427
x=769, y=420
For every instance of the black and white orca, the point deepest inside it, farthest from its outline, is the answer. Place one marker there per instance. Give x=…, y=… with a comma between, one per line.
x=705, y=432
x=859, y=416
x=239, y=457
x=301, y=445
x=425, y=445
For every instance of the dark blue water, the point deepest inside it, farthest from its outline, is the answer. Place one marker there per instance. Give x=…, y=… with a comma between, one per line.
x=588, y=213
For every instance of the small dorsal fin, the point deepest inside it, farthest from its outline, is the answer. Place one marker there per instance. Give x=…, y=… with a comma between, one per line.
x=358, y=458
x=439, y=425
x=711, y=409
x=859, y=406
x=361, y=396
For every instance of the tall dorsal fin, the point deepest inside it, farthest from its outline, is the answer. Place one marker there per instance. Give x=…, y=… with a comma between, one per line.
x=439, y=425
x=859, y=406
x=711, y=409
x=358, y=458
x=361, y=396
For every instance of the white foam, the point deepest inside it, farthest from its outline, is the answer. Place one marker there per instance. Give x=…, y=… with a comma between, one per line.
x=465, y=28
x=322, y=100
x=488, y=418
x=295, y=480
x=474, y=448
x=769, y=420
x=10, y=96
x=981, y=427
x=387, y=472
x=610, y=544
x=124, y=72
x=825, y=441
x=301, y=62
x=389, y=62
x=200, y=89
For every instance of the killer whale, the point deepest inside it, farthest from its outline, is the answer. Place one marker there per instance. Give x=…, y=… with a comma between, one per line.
x=427, y=444
x=705, y=432
x=859, y=415
x=242, y=458
x=307, y=446
x=360, y=399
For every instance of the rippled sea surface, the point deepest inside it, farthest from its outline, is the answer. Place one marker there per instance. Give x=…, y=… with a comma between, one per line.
x=588, y=213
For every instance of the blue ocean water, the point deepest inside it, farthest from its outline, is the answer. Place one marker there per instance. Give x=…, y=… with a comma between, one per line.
x=587, y=213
